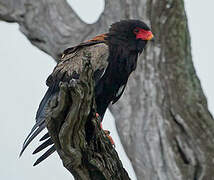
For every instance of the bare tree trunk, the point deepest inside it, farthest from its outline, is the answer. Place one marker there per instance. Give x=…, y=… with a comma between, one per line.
x=167, y=129
x=162, y=119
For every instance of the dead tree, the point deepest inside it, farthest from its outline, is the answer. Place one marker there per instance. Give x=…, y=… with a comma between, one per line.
x=162, y=119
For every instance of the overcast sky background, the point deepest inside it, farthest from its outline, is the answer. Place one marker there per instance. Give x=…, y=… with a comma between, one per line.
x=24, y=70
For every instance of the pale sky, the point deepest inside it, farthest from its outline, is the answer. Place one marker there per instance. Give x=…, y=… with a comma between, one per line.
x=24, y=70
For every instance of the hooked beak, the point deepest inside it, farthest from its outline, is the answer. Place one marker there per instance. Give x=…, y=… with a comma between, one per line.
x=145, y=35
x=150, y=38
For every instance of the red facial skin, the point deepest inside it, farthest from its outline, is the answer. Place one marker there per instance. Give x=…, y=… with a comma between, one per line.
x=143, y=34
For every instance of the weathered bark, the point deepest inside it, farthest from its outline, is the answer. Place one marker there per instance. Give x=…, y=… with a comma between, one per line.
x=162, y=119
x=82, y=145
x=167, y=130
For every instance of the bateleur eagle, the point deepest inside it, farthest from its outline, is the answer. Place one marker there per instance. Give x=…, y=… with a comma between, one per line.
x=114, y=57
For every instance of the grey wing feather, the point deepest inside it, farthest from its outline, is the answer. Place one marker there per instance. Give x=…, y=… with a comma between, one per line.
x=64, y=71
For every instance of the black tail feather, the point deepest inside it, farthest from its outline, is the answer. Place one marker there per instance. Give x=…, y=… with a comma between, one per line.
x=36, y=132
x=40, y=117
x=44, y=137
x=43, y=146
x=33, y=129
x=45, y=155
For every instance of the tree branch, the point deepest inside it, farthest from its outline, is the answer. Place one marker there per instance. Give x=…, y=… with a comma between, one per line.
x=80, y=142
x=52, y=26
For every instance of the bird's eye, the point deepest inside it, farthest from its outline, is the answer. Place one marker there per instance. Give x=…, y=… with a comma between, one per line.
x=136, y=30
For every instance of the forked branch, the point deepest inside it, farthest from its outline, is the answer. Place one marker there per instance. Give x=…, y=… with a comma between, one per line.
x=80, y=142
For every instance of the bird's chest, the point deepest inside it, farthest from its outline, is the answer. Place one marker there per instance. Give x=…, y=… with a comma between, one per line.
x=116, y=75
x=120, y=69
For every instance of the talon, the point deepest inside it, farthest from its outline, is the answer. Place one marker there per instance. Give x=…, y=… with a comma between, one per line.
x=97, y=115
x=110, y=138
x=99, y=119
x=107, y=132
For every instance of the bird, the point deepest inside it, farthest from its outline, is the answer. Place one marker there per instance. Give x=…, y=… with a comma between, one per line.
x=113, y=57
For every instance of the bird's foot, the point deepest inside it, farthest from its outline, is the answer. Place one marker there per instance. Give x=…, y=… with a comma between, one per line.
x=109, y=137
x=107, y=133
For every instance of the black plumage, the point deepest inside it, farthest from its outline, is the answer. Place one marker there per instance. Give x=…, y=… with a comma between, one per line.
x=114, y=57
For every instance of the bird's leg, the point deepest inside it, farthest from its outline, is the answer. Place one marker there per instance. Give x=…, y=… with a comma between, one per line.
x=107, y=133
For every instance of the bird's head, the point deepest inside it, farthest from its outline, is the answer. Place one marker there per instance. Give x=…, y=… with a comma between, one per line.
x=134, y=34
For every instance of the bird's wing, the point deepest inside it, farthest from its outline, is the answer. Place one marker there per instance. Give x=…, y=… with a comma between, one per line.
x=71, y=63
x=119, y=93
x=68, y=68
